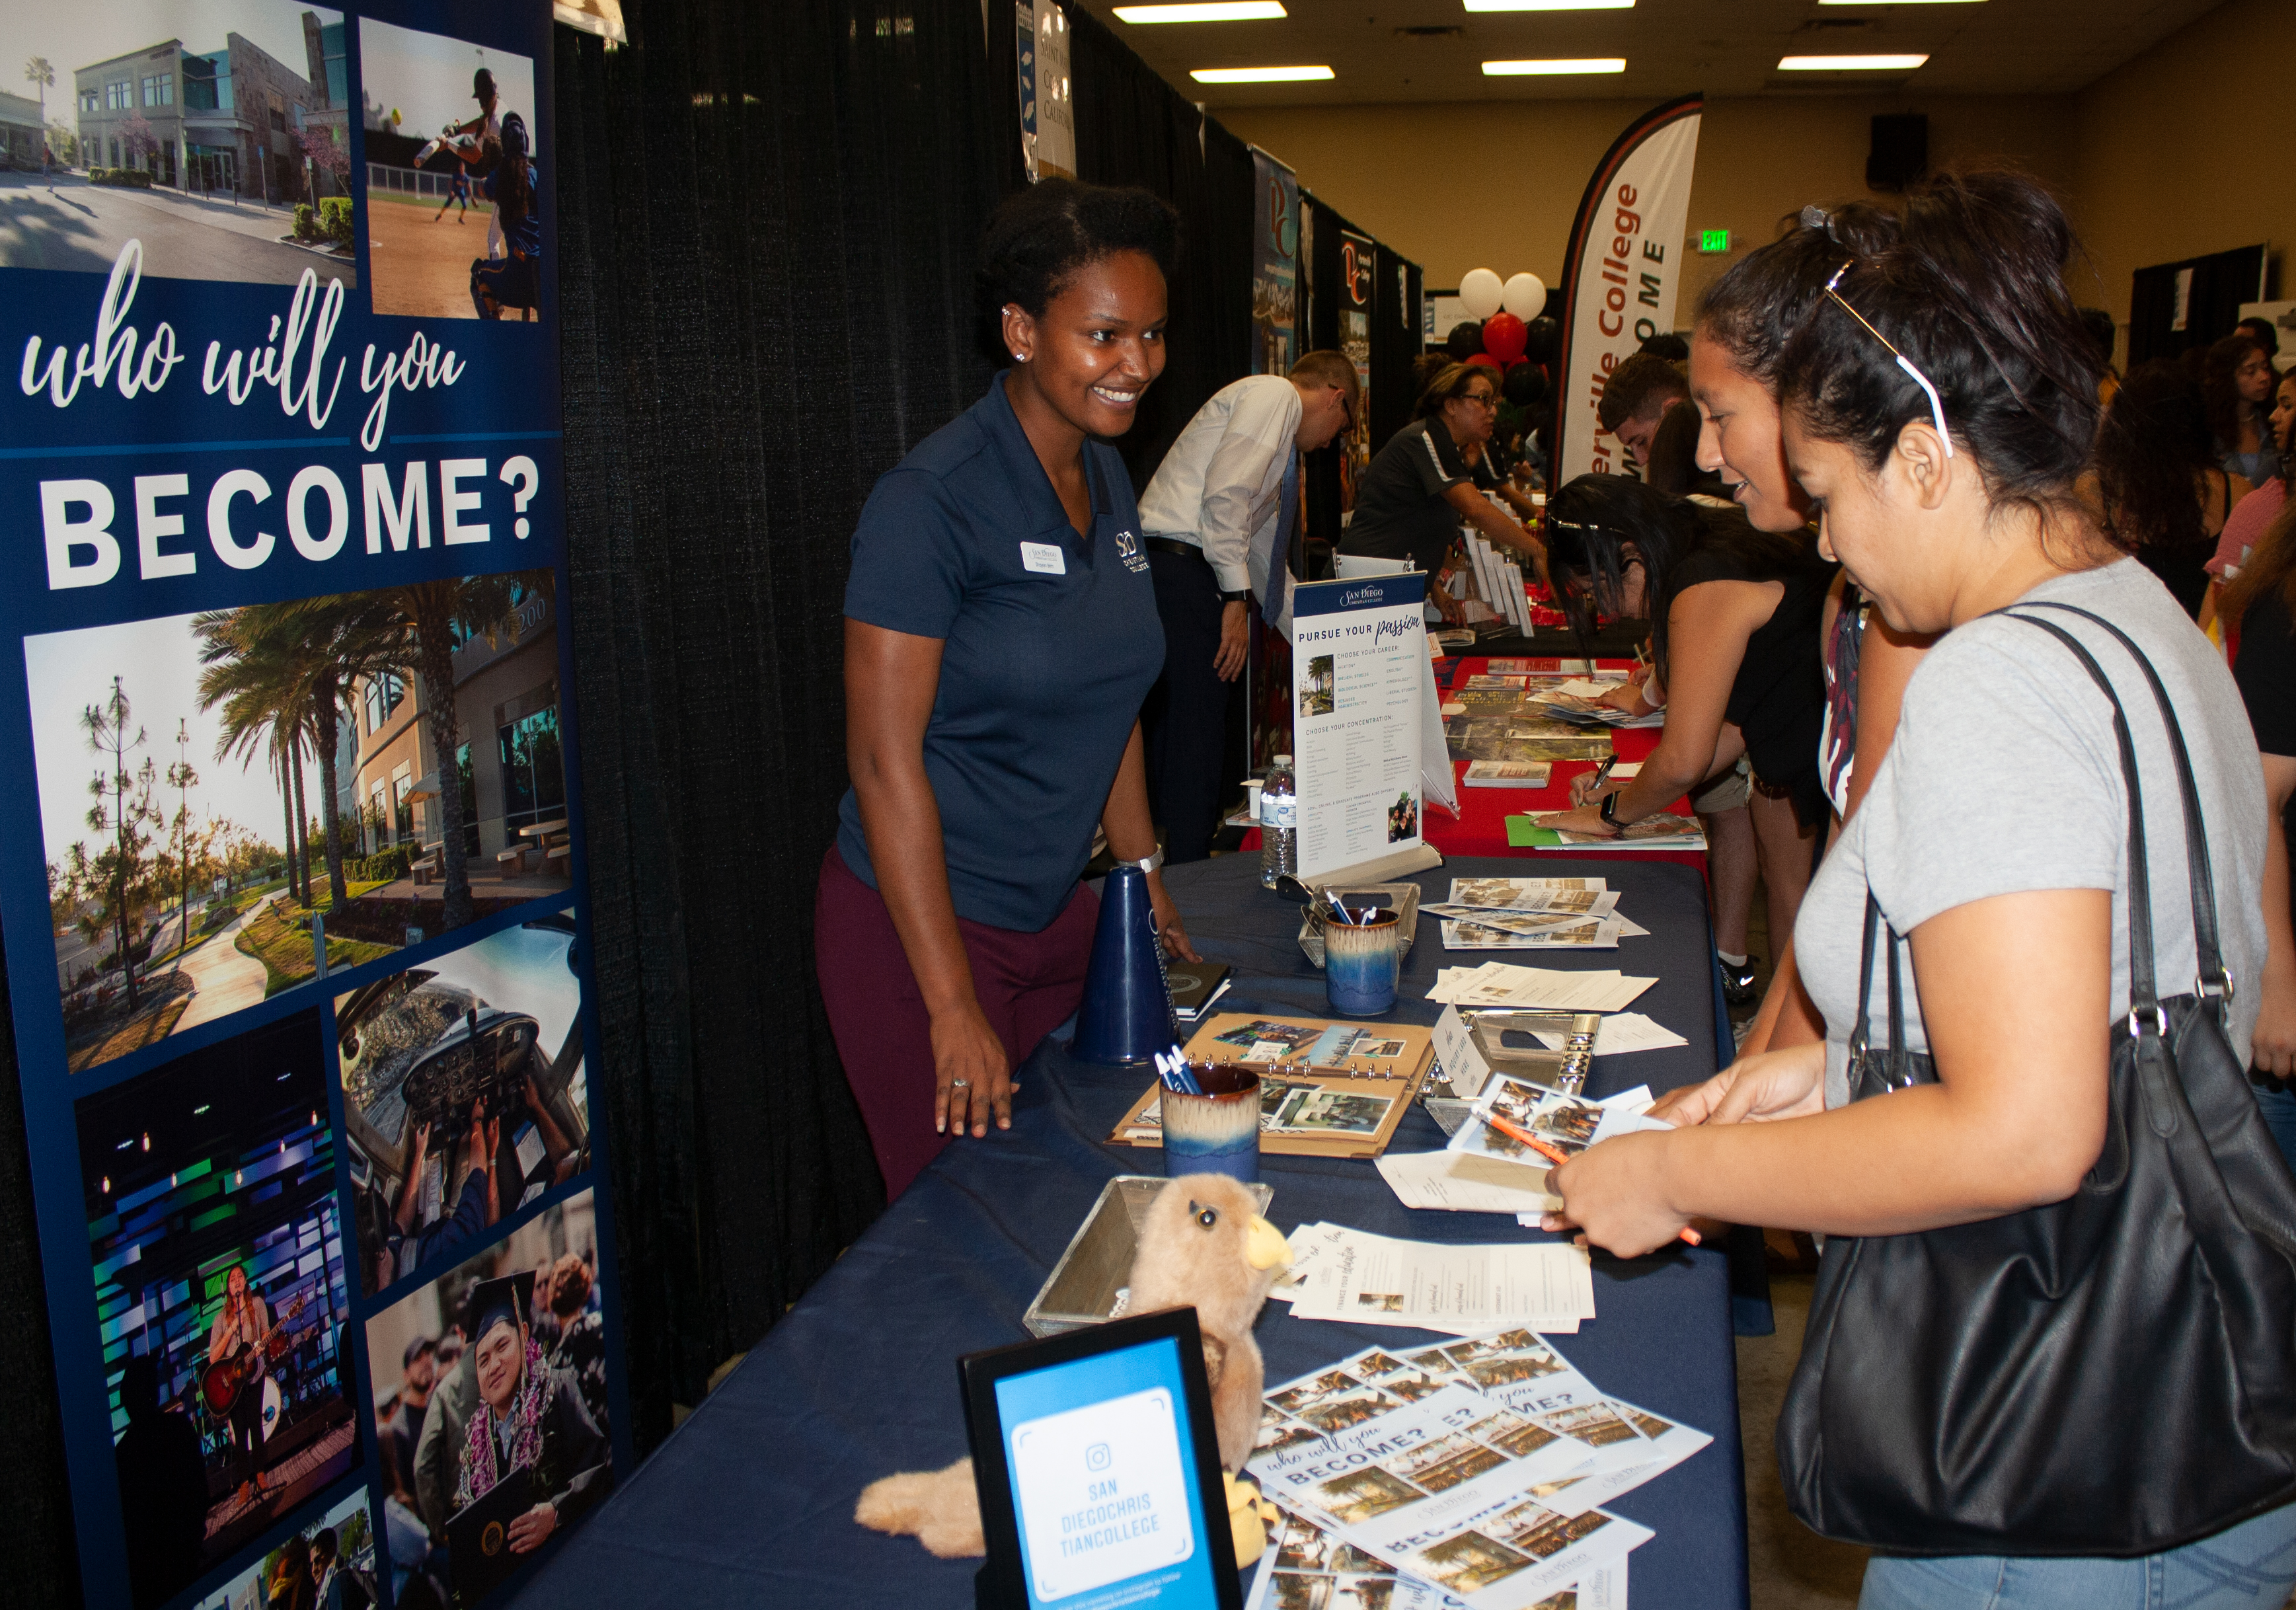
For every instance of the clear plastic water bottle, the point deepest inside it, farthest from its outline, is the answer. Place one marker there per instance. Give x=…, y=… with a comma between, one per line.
x=1279, y=825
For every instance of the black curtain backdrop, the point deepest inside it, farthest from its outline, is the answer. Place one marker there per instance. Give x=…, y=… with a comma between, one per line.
x=2221, y=282
x=767, y=216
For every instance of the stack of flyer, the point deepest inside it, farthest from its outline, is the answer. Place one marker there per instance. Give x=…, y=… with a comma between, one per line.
x=1541, y=989
x=1351, y=1275
x=1520, y=913
x=1470, y=1473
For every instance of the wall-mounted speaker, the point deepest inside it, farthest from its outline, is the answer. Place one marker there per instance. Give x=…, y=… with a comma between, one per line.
x=1900, y=152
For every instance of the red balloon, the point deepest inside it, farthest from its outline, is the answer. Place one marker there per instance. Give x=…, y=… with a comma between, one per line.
x=1504, y=335
x=1484, y=357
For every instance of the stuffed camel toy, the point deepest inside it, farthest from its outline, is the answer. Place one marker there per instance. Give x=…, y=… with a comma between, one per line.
x=1203, y=1246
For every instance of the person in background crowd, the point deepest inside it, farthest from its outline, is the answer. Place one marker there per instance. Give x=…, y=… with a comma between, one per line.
x=1418, y=490
x=453, y=1397
x=2254, y=514
x=1226, y=494
x=327, y=1579
x=1745, y=321
x=2010, y=879
x=581, y=1351
x=1000, y=635
x=1646, y=405
x=2261, y=331
x=418, y=1374
x=2260, y=610
x=163, y=1487
x=1733, y=613
x=1667, y=344
x=1636, y=398
x=2102, y=330
x=289, y=1587
x=2237, y=380
x=2165, y=497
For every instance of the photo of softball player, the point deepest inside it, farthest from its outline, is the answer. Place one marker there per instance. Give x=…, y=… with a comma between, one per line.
x=480, y=101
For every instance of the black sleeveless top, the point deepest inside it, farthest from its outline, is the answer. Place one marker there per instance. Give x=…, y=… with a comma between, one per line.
x=1778, y=700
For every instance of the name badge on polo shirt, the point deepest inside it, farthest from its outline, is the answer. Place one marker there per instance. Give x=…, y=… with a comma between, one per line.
x=1046, y=558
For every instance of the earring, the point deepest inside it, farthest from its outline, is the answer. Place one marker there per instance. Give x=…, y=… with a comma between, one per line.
x=1019, y=357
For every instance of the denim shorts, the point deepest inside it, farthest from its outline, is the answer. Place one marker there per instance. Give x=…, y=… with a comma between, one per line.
x=2252, y=1566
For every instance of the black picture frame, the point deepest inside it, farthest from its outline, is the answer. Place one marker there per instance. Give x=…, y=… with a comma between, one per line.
x=1000, y=1584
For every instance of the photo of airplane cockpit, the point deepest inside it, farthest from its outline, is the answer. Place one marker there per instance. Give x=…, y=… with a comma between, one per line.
x=463, y=1094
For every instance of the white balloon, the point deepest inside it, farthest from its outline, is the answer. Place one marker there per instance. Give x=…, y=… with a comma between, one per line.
x=1482, y=293
x=1524, y=297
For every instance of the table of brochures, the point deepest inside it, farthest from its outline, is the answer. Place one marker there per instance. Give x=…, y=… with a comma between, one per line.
x=752, y=1500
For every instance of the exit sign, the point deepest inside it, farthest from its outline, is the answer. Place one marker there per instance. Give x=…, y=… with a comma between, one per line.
x=1713, y=240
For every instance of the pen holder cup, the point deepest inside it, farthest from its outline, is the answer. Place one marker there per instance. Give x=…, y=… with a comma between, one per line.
x=1361, y=962
x=1216, y=1133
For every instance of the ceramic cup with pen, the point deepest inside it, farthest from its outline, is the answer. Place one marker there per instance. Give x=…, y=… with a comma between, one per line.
x=1209, y=1114
x=1363, y=956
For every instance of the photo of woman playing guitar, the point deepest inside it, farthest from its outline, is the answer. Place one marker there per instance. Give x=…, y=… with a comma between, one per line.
x=239, y=1333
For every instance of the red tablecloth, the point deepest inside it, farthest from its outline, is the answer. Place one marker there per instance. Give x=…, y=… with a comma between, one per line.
x=1480, y=827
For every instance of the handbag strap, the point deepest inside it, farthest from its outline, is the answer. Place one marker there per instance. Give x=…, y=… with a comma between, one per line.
x=1899, y=1071
x=2199, y=869
x=2143, y=994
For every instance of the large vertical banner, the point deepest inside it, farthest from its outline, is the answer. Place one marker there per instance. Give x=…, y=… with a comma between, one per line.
x=291, y=880
x=1275, y=266
x=1047, y=103
x=1625, y=268
x=1358, y=257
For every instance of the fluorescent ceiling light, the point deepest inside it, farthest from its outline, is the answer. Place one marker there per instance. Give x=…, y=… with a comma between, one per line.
x=1258, y=74
x=1203, y=11
x=1549, y=6
x=1586, y=64
x=1838, y=64
x=1896, y=2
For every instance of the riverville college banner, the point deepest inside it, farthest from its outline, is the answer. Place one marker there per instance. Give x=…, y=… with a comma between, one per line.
x=291, y=876
x=1625, y=268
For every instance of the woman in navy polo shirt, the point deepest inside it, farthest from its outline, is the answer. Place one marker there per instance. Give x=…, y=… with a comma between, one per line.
x=1000, y=635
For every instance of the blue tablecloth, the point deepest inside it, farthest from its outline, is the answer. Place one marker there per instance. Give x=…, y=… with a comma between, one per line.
x=751, y=1501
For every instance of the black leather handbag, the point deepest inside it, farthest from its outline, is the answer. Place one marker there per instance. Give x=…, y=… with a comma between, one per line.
x=2111, y=1375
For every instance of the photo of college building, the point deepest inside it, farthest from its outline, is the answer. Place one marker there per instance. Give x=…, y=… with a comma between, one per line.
x=507, y=763
x=223, y=119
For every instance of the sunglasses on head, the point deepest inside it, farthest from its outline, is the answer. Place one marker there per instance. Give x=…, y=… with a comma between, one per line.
x=1937, y=406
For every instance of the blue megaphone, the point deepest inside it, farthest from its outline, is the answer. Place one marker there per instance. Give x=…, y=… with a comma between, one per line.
x=1127, y=1015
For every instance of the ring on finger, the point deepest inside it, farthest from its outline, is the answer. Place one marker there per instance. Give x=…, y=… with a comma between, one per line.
x=959, y=1084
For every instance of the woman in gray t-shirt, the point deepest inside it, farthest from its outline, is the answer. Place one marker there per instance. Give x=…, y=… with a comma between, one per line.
x=1994, y=834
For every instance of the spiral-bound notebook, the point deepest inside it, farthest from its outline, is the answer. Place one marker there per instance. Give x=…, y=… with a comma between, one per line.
x=1326, y=1089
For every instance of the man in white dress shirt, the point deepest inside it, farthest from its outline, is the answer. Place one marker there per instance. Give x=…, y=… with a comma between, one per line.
x=1217, y=518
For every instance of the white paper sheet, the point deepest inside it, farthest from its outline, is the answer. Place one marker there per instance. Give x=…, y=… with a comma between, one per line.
x=1451, y=1182
x=1620, y=1033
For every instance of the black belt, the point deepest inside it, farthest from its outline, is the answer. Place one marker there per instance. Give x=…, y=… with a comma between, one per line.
x=1172, y=545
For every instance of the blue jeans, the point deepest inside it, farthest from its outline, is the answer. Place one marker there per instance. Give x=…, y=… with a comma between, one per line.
x=2280, y=1117
x=2252, y=1566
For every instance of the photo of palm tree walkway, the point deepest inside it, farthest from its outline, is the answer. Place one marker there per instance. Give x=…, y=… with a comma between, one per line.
x=160, y=744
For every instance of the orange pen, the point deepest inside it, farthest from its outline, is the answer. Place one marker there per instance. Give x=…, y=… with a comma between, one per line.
x=1515, y=1131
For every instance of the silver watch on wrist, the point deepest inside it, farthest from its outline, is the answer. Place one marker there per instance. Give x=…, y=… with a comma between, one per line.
x=1148, y=864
